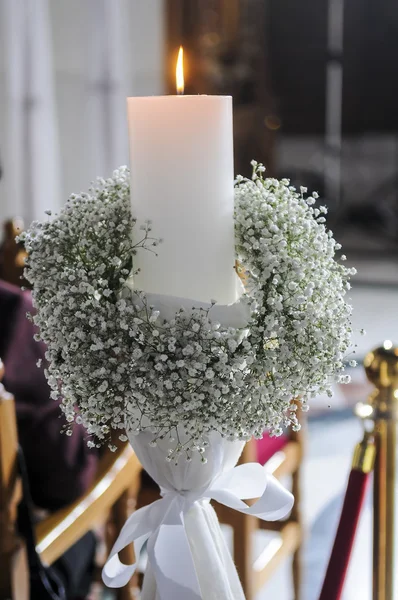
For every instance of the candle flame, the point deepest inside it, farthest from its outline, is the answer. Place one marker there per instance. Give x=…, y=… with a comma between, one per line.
x=180, y=71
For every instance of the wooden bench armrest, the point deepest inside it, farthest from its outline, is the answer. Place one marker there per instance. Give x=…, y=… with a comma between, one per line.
x=286, y=461
x=116, y=472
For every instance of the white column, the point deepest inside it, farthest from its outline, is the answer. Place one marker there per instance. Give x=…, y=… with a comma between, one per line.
x=334, y=100
x=106, y=87
x=31, y=156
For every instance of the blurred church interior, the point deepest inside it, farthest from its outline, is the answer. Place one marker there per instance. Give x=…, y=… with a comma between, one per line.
x=314, y=88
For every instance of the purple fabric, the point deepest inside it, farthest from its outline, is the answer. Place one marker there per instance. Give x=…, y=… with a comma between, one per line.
x=60, y=468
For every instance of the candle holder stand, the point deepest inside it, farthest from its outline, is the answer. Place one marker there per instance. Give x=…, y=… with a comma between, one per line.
x=381, y=367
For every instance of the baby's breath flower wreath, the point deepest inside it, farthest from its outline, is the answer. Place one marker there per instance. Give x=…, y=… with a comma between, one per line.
x=115, y=361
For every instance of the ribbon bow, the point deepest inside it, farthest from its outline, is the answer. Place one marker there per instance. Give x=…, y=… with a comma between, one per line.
x=161, y=526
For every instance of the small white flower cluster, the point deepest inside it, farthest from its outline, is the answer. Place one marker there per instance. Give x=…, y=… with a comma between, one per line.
x=116, y=362
x=301, y=320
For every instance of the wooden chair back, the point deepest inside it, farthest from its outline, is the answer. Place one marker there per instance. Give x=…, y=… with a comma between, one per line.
x=14, y=579
x=12, y=253
x=113, y=492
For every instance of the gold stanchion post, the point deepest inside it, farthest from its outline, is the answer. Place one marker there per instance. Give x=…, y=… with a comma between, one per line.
x=382, y=370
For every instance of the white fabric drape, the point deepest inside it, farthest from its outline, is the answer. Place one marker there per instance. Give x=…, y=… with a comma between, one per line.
x=187, y=555
x=106, y=93
x=214, y=568
x=31, y=159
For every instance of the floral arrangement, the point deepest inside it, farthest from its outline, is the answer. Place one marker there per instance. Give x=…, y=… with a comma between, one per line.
x=117, y=363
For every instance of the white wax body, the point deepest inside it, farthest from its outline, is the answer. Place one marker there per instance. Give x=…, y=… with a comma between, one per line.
x=181, y=156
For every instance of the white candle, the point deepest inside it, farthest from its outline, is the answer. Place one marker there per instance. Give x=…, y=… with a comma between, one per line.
x=181, y=155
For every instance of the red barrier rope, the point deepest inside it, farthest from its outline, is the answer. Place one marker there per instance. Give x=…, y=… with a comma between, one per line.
x=354, y=498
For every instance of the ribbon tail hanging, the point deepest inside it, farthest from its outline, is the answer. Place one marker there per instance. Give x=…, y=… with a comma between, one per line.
x=170, y=556
x=137, y=529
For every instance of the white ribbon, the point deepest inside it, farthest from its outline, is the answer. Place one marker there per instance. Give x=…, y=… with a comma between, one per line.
x=161, y=527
